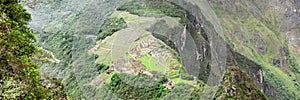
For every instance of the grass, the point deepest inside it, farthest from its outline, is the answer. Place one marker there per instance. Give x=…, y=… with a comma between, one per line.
x=108, y=77
x=104, y=56
x=265, y=27
x=129, y=18
x=247, y=25
x=291, y=60
x=293, y=66
x=152, y=64
x=102, y=68
x=143, y=52
x=179, y=80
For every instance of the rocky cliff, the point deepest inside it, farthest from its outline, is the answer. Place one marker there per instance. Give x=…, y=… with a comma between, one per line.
x=260, y=38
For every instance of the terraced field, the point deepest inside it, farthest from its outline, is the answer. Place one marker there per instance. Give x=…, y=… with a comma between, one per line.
x=157, y=49
x=134, y=50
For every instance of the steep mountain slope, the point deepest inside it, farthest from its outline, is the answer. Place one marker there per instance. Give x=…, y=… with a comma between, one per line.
x=68, y=28
x=255, y=27
x=177, y=43
x=255, y=38
x=236, y=85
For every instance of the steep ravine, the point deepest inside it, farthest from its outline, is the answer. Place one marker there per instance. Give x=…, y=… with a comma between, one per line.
x=233, y=58
x=65, y=27
x=258, y=64
x=207, y=43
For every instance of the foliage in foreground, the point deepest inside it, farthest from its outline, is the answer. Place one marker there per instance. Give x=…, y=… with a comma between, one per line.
x=19, y=77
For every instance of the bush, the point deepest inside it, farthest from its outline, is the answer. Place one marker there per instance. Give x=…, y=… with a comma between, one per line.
x=127, y=91
x=19, y=75
x=111, y=26
x=102, y=68
x=96, y=56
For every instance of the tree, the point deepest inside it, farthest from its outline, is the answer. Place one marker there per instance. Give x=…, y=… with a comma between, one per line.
x=19, y=77
x=17, y=41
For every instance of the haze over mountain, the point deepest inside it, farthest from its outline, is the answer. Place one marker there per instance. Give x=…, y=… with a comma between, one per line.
x=166, y=49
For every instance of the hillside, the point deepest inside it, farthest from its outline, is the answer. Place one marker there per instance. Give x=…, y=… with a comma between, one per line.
x=170, y=49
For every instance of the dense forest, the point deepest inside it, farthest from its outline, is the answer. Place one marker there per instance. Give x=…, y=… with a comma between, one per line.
x=20, y=78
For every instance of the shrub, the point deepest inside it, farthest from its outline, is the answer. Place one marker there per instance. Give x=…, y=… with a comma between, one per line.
x=111, y=26
x=102, y=68
x=127, y=91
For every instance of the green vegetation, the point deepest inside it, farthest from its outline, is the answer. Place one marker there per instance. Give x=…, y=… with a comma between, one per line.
x=102, y=68
x=127, y=91
x=179, y=80
x=183, y=91
x=157, y=8
x=144, y=8
x=152, y=8
x=272, y=28
x=237, y=85
x=152, y=64
x=110, y=26
x=96, y=56
x=291, y=60
x=272, y=75
x=128, y=17
x=196, y=94
x=181, y=71
x=157, y=32
x=252, y=30
x=78, y=82
x=60, y=44
x=19, y=78
x=294, y=67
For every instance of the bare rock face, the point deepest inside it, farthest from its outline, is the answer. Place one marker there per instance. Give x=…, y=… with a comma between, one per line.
x=290, y=28
x=259, y=43
x=276, y=62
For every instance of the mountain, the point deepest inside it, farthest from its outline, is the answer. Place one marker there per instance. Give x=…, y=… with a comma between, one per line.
x=170, y=49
